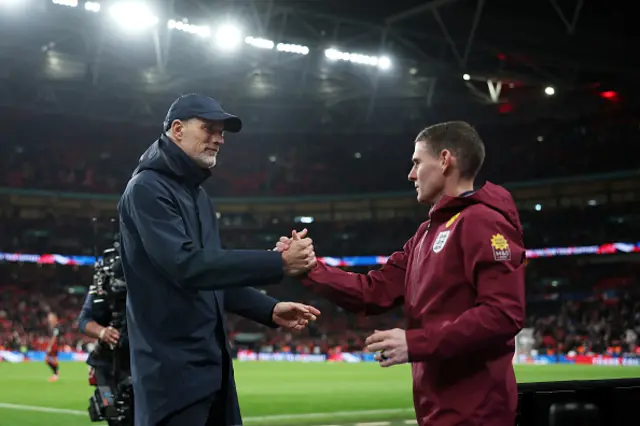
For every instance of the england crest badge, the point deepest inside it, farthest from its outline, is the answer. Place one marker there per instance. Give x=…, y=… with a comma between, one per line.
x=440, y=241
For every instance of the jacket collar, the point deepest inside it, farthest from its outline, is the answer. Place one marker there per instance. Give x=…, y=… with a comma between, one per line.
x=179, y=163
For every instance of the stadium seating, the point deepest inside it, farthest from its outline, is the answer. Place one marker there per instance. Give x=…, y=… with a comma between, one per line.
x=286, y=164
x=577, y=306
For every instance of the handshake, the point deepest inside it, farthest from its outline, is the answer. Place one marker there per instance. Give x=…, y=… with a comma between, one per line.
x=298, y=255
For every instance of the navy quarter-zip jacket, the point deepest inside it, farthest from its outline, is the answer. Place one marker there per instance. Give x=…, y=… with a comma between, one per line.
x=179, y=284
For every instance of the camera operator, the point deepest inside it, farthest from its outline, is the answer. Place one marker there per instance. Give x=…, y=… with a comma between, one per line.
x=103, y=317
x=94, y=322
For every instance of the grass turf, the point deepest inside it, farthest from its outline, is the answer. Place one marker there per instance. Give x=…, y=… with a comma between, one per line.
x=275, y=393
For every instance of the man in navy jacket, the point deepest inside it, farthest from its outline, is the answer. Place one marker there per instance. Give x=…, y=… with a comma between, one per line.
x=180, y=282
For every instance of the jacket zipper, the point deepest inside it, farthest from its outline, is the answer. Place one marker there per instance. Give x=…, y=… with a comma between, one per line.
x=200, y=236
x=416, y=263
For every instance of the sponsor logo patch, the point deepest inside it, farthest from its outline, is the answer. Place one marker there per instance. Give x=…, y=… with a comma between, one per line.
x=500, y=247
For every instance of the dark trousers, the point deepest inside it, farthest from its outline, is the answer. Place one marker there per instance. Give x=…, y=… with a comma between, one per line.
x=210, y=411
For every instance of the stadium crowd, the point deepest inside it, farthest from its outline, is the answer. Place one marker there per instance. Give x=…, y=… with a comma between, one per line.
x=99, y=157
x=72, y=235
x=590, y=307
x=593, y=308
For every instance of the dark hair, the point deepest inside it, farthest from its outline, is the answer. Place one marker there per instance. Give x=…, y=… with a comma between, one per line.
x=461, y=139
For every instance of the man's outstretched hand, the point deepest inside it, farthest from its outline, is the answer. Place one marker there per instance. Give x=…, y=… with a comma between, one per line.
x=294, y=316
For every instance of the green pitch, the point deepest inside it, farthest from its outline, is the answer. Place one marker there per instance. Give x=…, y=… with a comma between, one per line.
x=270, y=393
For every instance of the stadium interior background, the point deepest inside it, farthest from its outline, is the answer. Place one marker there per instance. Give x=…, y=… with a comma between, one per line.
x=332, y=94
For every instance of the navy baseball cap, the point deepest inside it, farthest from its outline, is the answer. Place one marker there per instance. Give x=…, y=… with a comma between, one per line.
x=200, y=106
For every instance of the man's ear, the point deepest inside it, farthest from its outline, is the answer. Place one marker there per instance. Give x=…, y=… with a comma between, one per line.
x=446, y=161
x=177, y=129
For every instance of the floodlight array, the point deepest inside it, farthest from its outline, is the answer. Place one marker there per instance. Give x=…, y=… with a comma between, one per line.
x=69, y=3
x=292, y=48
x=201, y=30
x=382, y=62
x=136, y=15
x=133, y=15
x=92, y=6
x=260, y=43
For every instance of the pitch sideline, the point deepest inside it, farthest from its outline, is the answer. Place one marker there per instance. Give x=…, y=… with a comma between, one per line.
x=303, y=416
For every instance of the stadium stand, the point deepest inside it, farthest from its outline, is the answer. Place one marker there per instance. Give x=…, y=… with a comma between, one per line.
x=593, y=307
x=574, y=305
x=328, y=147
x=288, y=164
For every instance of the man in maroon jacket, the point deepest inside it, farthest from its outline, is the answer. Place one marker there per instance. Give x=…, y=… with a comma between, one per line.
x=461, y=280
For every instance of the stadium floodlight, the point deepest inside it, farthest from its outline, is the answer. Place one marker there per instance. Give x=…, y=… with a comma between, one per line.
x=228, y=37
x=11, y=3
x=200, y=30
x=134, y=16
x=293, y=48
x=357, y=58
x=304, y=219
x=92, y=6
x=69, y=3
x=384, y=63
x=549, y=91
x=260, y=43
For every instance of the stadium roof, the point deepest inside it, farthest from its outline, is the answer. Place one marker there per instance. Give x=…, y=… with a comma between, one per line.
x=410, y=58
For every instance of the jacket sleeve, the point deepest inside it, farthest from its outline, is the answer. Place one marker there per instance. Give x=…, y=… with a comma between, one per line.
x=371, y=294
x=165, y=240
x=86, y=314
x=494, y=261
x=252, y=304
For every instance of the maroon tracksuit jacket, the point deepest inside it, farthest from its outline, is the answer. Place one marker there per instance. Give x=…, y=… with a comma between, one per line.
x=461, y=280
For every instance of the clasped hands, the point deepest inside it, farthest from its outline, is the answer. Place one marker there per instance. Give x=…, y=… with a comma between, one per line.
x=298, y=255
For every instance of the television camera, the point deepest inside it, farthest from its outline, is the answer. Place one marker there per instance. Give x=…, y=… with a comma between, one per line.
x=112, y=401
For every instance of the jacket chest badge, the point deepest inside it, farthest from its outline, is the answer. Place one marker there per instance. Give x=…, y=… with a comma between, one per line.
x=440, y=241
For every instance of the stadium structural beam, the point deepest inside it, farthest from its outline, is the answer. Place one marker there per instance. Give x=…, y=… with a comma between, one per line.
x=540, y=55
x=159, y=49
x=495, y=88
x=431, y=90
x=163, y=40
x=402, y=35
x=492, y=98
x=571, y=25
x=463, y=57
x=413, y=47
x=332, y=18
x=426, y=7
x=94, y=66
x=376, y=82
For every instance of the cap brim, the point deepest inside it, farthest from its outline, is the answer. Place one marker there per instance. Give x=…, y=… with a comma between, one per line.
x=232, y=123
